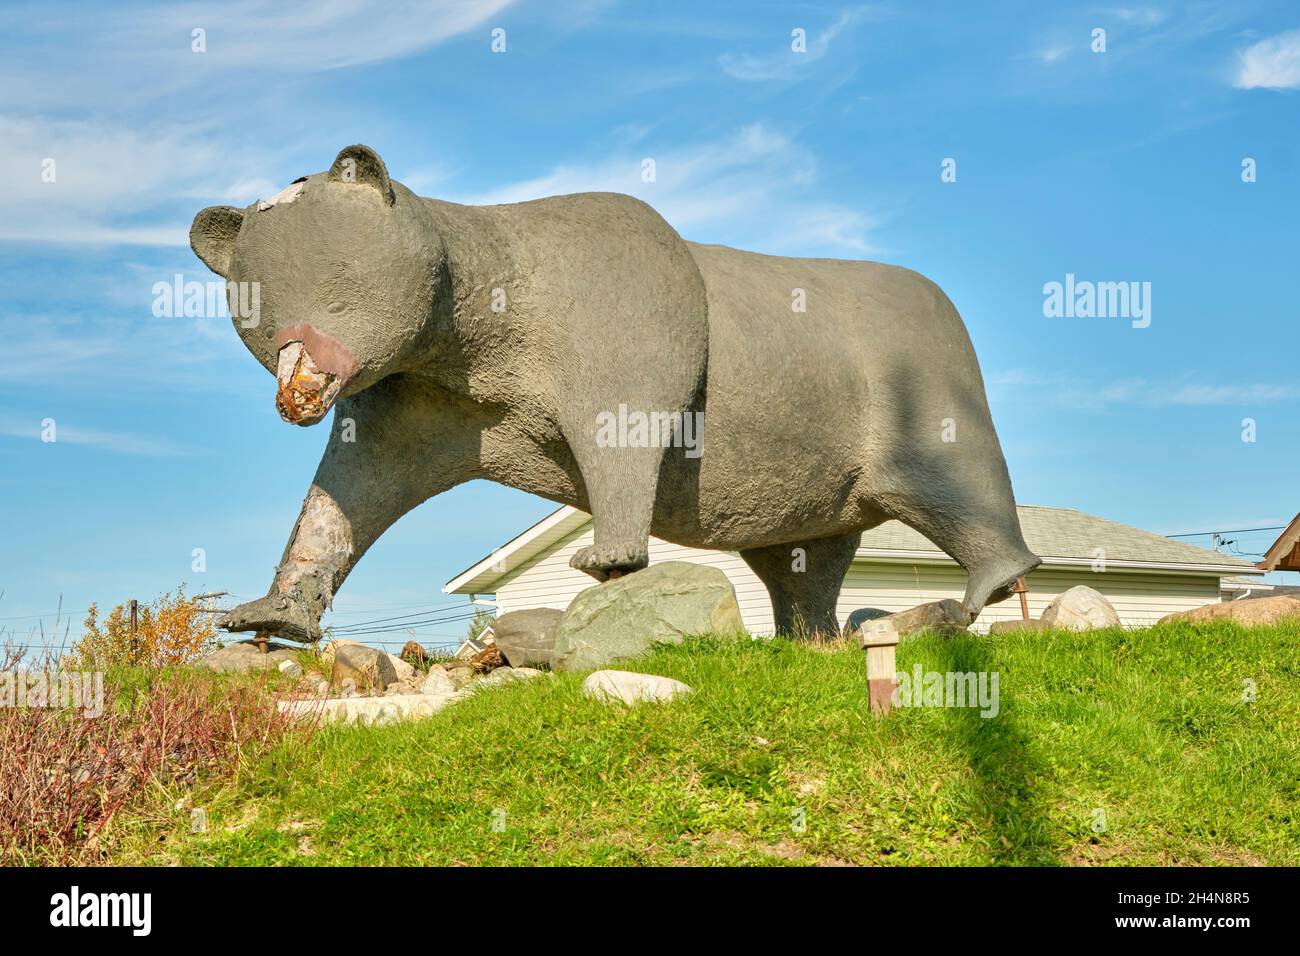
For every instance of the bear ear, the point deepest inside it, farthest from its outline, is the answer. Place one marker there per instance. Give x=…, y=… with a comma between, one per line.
x=212, y=236
x=361, y=164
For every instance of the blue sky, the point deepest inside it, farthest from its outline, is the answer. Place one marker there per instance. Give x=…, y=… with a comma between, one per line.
x=1122, y=165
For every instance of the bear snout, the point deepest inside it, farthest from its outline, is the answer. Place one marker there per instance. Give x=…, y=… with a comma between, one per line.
x=312, y=368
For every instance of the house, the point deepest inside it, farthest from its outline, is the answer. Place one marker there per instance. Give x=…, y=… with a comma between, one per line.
x=473, y=645
x=1145, y=576
x=1284, y=554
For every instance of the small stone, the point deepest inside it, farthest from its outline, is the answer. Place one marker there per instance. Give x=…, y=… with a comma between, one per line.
x=631, y=688
x=369, y=670
x=365, y=711
x=437, y=683
x=291, y=669
x=527, y=638
x=507, y=675
x=487, y=659
x=244, y=657
x=414, y=654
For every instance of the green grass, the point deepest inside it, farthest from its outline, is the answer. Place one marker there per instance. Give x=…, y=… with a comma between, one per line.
x=1148, y=726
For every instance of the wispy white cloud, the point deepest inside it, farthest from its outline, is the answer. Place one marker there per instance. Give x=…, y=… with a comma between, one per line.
x=124, y=443
x=1138, y=16
x=732, y=189
x=1271, y=64
x=1052, y=53
x=786, y=64
x=86, y=181
x=1071, y=392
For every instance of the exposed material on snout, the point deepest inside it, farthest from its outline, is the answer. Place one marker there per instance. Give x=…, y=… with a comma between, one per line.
x=312, y=368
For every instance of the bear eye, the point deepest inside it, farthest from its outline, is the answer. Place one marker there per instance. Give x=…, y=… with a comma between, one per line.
x=335, y=308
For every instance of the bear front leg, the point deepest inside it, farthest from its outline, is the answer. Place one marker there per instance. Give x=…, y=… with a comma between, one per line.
x=619, y=450
x=621, y=486
x=389, y=450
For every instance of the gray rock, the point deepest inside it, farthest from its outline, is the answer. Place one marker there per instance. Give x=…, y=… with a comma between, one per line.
x=506, y=675
x=329, y=650
x=291, y=668
x=861, y=615
x=629, y=688
x=243, y=657
x=1248, y=612
x=401, y=668
x=459, y=672
x=437, y=683
x=370, y=670
x=366, y=710
x=1080, y=609
x=527, y=638
x=625, y=617
x=945, y=617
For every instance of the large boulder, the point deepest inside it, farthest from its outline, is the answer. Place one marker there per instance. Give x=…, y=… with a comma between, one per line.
x=403, y=670
x=330, y=649
x=1080, y=609
x=527, y=638
x=370, y=670
x=629, y=688
x=661, y=604
x=243, y=657
x=1247, y=611
x=945, y=617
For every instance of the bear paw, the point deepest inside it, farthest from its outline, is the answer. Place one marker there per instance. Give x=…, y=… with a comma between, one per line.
x=605, y=561
x=279, y=615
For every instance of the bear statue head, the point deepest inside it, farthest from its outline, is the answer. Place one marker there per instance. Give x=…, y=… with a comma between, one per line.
x=343, y=266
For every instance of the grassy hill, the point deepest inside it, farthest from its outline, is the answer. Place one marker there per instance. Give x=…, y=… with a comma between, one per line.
x=1109, y=747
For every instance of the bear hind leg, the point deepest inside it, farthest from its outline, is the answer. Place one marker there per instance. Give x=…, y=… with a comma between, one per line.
x=803, y=579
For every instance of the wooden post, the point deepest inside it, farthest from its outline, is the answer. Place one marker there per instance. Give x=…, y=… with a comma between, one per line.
x=135, y=644
x=1022, y=588
x=260, y=639
x=882, y=668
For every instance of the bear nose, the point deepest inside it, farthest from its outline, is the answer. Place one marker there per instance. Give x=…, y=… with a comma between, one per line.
x=312, y=368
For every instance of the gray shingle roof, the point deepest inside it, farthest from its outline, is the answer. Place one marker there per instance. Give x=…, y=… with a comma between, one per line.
x=1066, y=533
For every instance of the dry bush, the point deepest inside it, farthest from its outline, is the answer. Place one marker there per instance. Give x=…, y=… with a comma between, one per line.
x=63, y=775
x=173, y=630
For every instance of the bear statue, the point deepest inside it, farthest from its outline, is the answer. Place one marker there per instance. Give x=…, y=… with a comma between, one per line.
x=459, y=342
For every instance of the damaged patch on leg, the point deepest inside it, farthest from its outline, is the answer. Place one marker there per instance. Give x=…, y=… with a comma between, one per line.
x=320, y=549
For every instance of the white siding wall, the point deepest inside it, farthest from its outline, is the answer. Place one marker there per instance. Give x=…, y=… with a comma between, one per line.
x=1139, y=598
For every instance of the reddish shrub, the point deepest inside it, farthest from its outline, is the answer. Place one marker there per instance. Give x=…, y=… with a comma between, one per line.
x=63, y=775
